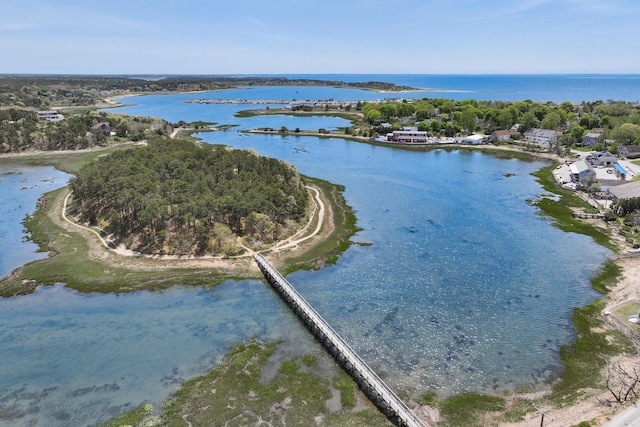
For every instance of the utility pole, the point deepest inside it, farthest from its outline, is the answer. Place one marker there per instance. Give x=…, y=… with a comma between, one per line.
x=542, y=413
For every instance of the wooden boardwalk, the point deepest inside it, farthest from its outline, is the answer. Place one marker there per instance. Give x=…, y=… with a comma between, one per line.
x=379, y=393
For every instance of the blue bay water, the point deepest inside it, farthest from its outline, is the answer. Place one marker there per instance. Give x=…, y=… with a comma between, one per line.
x=75, y=360
x=465, y=286
x=21, y=186
x=508, y=87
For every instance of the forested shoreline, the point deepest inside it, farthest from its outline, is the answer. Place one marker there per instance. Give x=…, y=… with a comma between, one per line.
x=21, y=130
x=46, y=91
x=174, y=197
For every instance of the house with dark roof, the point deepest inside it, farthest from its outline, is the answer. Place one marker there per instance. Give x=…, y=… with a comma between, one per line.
x=631, y=151
x=102, y=127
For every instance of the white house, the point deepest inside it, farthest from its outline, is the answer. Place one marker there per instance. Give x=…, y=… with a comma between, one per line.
x=543, y=137
x=475, y=139
x=409, y=135
x=580, y=170
x=51, y=116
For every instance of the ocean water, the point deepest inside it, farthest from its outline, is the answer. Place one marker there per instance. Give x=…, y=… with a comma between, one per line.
x=463, y=286
x=509, y=87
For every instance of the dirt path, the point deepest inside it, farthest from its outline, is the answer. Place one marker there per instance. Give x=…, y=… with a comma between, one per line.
x=317, y=215
x=295, y=240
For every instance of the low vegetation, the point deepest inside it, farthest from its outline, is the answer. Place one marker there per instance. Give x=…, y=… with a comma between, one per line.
x=561, y=210
x=467, y=409
x=237, y=393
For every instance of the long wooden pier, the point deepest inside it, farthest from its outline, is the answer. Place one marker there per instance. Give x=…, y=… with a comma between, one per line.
x=379, y=393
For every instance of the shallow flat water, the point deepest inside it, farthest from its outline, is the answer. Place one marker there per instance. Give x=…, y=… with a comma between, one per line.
x=71, y=359
x=464, y=287
x=20, y=187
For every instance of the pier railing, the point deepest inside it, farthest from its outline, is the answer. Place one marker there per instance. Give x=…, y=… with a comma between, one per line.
x=380, y=394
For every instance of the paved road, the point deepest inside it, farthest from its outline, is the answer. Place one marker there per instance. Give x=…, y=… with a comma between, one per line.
x=630, y=417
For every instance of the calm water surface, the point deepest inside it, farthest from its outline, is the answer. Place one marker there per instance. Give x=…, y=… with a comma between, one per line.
x=20, y=187
x=465, y=286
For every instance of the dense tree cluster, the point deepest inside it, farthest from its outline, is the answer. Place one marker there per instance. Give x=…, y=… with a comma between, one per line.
x=177, y=198
x=21, y=130
x=619, y=121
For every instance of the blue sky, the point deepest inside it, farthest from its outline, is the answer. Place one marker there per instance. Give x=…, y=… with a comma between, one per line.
x=324, y=36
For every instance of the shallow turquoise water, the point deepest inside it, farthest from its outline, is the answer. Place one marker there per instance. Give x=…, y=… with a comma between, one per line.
x=465, y=285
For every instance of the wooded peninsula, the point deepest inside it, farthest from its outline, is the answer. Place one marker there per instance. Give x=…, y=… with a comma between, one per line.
x=174, y=197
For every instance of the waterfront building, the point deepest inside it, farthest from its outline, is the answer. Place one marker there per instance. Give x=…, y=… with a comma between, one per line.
x=501, y=135
x=543, y=137
x=475, y=139
x=51, y=116
x=409, y=135
x=580, y=171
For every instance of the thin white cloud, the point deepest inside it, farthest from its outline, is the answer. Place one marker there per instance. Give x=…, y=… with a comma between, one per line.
x=9, y=27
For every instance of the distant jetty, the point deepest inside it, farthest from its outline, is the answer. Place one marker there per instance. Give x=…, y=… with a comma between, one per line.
x=292, y=102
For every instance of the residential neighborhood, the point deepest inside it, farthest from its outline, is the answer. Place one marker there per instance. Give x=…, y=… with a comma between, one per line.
x=609, y=177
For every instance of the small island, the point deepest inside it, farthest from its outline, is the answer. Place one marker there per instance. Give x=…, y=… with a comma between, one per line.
x=173, y=197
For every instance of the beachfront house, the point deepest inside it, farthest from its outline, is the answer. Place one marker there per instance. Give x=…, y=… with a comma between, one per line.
x=408, y=135
x=501, y=135
x=475, y=139
x=544, y=138
x=580, y=171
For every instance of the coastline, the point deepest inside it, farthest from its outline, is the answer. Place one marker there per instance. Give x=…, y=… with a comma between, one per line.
x=628, y=287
